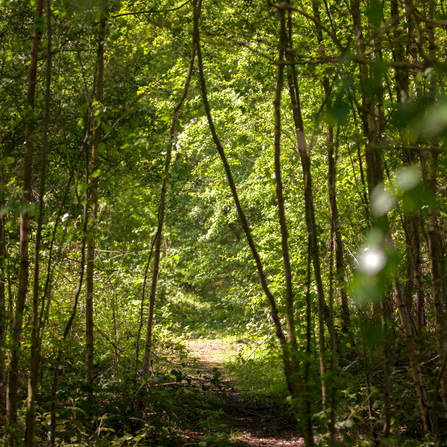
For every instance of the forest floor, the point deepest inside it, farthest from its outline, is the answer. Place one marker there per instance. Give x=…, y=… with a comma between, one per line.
x=245, y=420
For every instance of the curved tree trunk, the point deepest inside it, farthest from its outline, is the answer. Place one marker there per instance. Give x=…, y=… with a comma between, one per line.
x=292, y=375
x=241, y=214
x=161, y=216
x=67, y=329
x=69, y=323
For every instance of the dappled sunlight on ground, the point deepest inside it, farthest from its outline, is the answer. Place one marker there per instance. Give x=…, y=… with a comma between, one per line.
x=251, y=422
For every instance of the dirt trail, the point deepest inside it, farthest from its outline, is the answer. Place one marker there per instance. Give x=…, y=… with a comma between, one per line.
x=257, y=423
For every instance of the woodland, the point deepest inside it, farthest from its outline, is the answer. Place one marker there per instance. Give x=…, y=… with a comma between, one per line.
x=272, y=174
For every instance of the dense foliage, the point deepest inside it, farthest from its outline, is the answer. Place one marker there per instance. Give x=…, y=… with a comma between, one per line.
x=269, y=171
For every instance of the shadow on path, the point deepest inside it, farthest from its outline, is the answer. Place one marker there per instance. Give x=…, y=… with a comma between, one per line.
x=250, y=422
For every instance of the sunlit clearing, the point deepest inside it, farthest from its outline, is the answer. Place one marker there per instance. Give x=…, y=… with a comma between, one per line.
x=408, y=178
x=372, y=260
x=382, y=201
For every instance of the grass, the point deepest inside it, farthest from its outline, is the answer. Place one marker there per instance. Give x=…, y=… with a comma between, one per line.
x=255, y=366
x=211, y=316
x=258, y=373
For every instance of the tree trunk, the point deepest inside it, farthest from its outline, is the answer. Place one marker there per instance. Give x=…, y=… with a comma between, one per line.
x=97, y=129
x=3, y=324
x=419, y=278
x=54, y=386
x=241, y=214
x=143, y=294
x=16, y=333
x=434, y=238
x=291, y=337
x=375, y=177
x=323, y=311
x=338, y=245
x=292, y=375
x=332, y=180
x=35, y=320
x=161, y=215
x=434, y=252
x=66, y=332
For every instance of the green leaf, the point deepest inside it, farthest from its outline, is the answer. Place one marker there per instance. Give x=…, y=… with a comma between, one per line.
x=101, y=148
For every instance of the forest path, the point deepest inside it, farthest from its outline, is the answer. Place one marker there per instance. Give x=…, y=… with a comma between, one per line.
x=251, y=422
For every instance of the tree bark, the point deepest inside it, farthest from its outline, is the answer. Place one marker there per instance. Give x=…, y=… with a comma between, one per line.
x=65, y=334
x=419, y=278
x=161, y=215
x=16, y=333
x=241, y=214
x=292, y=376
x=323, y=311
x=143, y=294
x=97, y=130
x=332, y=181
x=3, y=323
x=291, y=337
x=302, y=400
x=434, y=238
x=338, y=245
x=35, y=320
x=374, y=176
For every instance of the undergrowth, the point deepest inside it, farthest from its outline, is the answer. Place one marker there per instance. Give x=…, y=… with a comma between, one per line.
x=176, y=405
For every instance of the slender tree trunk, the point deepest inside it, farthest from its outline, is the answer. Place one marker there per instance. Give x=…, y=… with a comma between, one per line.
x=413, y=248
x=410, y=255
x=241, y=214
x=365, y=367
x=419, y=278
x=116, y=332
x=65, y=334
x=97, y=129
x=292, y=376
x=16, y=334
x=308, y=383
x=35, y=320
x=380, y=121
x=414, y=276
x=434, y=238
x=143, y=294
x=89, y=335
x=332, y=180
x=323, y=311
x=386, y=368
x=414, y=361
x=67, y=328
x=338, y=245
x=3, y=323
x=435, y=271
x=302, y=401
x=161, y=216
x=374, y=177
x=291, y=337
x=150, y=320
x=364, y=196
x=3, y=320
